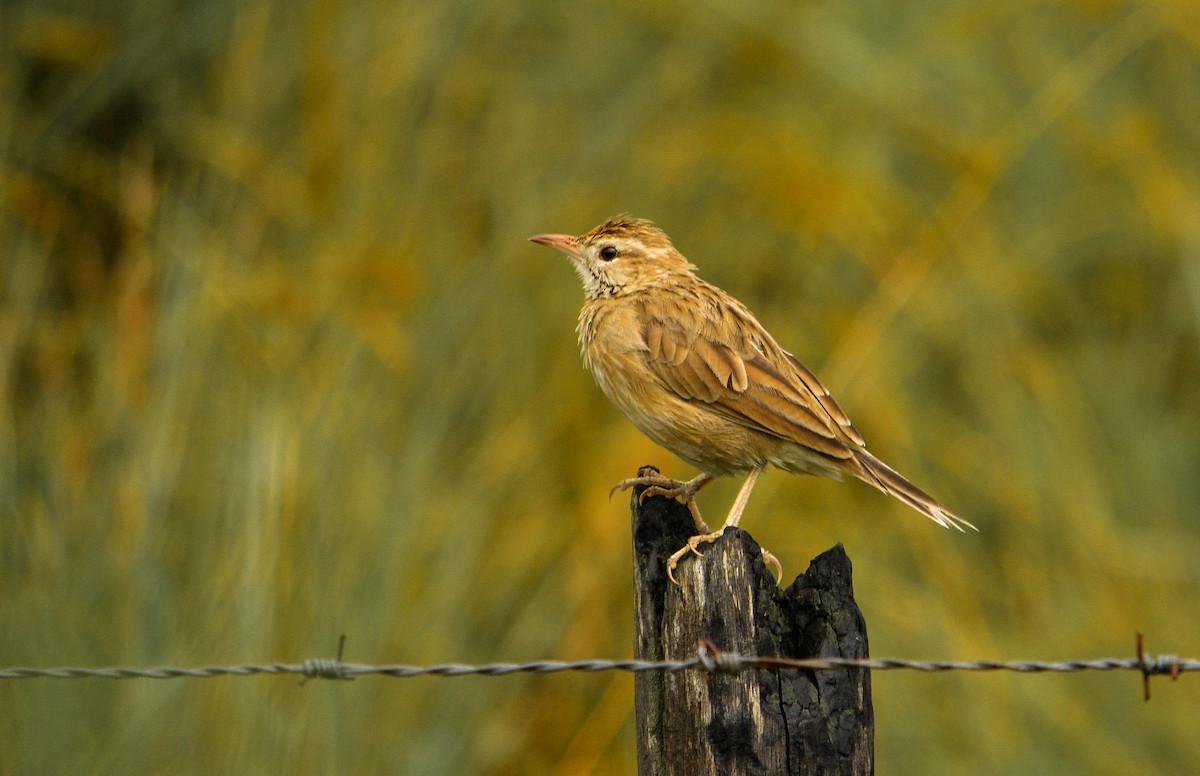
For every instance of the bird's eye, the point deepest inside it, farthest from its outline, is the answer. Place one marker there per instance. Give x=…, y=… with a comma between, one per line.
x=608, y=252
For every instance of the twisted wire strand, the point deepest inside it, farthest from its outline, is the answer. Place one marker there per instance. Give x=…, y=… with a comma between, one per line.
x=707, y=658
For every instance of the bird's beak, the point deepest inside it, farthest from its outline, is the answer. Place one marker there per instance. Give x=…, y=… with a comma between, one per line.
x=561, y=242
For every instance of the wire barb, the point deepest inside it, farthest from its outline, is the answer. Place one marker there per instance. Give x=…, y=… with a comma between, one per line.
x=714, y=661
x=1170, y=665
x=323, y=668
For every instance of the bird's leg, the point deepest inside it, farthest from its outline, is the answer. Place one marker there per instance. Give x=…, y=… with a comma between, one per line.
x=735, y=515
x=657, y=485
x=739, y=503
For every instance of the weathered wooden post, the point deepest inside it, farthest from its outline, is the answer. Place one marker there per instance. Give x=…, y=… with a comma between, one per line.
x=762, y=721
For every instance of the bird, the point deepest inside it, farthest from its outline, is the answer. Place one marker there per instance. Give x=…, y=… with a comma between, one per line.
x=693, y=369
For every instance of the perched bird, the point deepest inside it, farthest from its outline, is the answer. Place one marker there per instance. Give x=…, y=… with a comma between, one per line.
x=695, y=371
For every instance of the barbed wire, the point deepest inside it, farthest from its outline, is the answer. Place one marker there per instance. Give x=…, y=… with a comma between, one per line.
x=708, y=658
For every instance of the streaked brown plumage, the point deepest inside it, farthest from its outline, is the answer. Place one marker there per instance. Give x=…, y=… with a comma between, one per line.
x=692, y=368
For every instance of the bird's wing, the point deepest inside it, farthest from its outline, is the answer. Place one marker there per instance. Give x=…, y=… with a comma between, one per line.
x=821, y=394
x=718, y=356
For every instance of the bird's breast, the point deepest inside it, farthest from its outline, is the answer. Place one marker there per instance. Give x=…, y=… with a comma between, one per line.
x=615, y=351
x=613, y=348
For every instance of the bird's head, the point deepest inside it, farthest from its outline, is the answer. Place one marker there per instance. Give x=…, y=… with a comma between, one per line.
x=619, y=256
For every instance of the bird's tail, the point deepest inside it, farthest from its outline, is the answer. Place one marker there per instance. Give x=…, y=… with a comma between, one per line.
x=877, y=473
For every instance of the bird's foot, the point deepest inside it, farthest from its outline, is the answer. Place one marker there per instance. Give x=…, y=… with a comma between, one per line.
x=658, y=485
x=656, y=481
x=708, y=538
x=692, y=544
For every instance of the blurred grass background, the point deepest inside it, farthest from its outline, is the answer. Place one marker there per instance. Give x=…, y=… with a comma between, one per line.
x=277, y=364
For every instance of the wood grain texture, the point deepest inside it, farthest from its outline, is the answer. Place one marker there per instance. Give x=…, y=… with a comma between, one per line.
x=760, y=721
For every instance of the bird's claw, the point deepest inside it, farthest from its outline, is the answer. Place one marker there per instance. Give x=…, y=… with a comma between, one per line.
x=656, y=486
x=659, y=490
x=769, y=559
x=692, y=543
x=695, y=541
